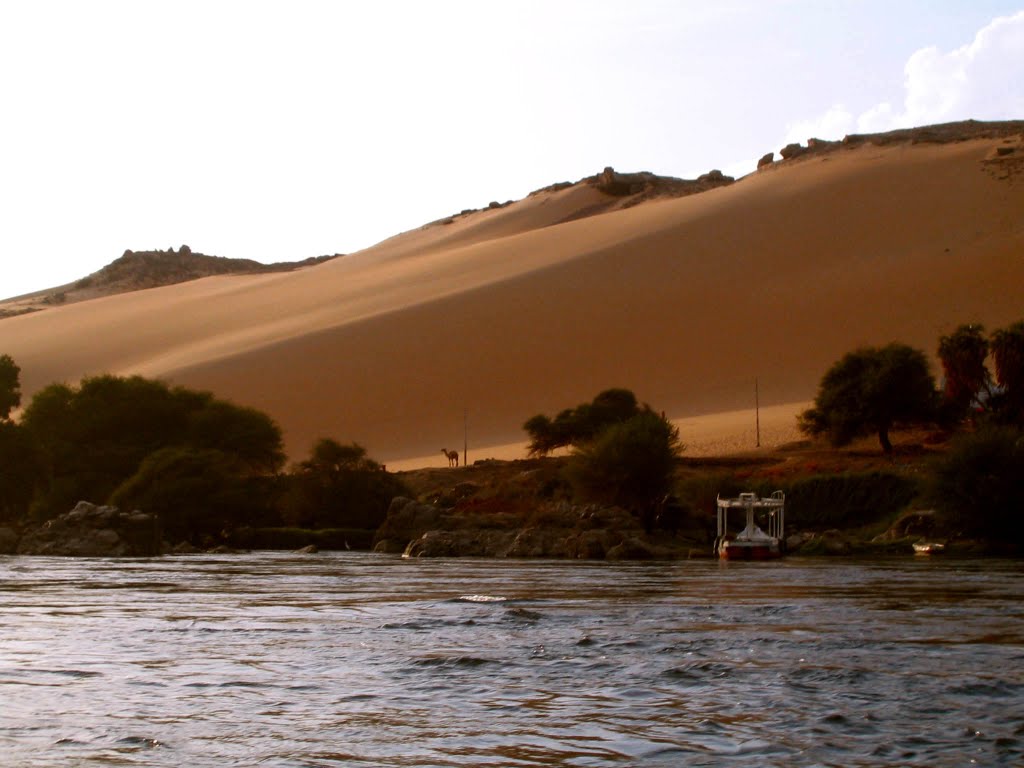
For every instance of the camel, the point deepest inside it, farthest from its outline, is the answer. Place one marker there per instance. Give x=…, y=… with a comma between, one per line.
x=453, y=457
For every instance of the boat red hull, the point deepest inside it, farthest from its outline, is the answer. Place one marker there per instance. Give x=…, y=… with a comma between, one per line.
x=733, y=551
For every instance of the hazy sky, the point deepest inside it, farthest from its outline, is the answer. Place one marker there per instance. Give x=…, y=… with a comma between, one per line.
x=281, y=130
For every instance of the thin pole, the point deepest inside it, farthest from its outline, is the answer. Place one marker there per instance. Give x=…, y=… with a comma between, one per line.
x=757, y=411
x=465, y=437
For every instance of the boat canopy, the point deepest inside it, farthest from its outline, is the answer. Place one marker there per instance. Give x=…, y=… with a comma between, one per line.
x=774, y=506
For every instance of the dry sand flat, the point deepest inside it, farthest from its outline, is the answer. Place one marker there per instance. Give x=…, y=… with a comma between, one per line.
x=505, y=313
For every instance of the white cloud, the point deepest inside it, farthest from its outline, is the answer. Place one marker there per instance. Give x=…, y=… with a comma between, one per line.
x=837, y=121
x=983, y=80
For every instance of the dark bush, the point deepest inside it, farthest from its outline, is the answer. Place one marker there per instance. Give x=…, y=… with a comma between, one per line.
x=979, y=485
x=339, y=486
x=22, y=469
x=199, y=495
x=849, y=500
x=96, y=436
x=586, y=421
x=630, y=464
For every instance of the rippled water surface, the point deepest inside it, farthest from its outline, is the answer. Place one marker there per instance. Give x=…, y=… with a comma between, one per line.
x=357, y=659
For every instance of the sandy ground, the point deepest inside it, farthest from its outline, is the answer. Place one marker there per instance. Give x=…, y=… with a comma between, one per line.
x=478, y=324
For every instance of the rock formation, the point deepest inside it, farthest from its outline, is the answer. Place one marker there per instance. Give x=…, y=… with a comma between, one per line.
x=552, y=530
x=93, y=531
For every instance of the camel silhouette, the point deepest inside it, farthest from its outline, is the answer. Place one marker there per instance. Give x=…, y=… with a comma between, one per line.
x=453, y=457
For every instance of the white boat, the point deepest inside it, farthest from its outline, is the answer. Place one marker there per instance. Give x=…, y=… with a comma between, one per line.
x=752, y=543
x=928, y=548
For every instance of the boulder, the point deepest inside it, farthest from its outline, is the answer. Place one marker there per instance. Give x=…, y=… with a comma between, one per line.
x=914, y=524
x=816, y=144
x=589, y=545
x=631, y=548
x=406, y=520
x=834, y=542
x=713, y=176
x=309, y=549
x=468, y=543
x=791, y=151
x=538, y=542
x=768, y=159
x=617, y=184
x=89, y=530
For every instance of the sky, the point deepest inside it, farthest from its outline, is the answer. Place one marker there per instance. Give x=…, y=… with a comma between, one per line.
x=281, y=130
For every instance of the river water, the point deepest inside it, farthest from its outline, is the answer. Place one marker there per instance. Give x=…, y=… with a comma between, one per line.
x=369, y=660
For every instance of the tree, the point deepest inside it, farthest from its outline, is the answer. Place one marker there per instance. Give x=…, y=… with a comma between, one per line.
x=967, y=380
x=96, y=436
x=1008, y=358
x=574, y=426
x=870, y=390
x=339, y=486
x=10, y=387
x=246, y=433
x=979, y=484
x=198, y=494
x=630, y=463
x=21, y=471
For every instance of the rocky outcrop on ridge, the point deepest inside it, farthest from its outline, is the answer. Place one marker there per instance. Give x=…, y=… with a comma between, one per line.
x=942, y=133
x=94, y=531
x=138, y=270
x=643, y=185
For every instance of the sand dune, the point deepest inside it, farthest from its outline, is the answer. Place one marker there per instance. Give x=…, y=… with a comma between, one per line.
x=507, y=312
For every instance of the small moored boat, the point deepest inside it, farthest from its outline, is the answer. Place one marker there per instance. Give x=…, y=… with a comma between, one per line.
x=928, y=548
x=752, y=543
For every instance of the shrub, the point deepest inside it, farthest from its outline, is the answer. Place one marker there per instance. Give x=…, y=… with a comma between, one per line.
x=10, y=387
x=21, y=470
x=979, y=484
x=199, y=495
x=339, y=486
x=97, y=435
x=630, y=464
x=827, y=501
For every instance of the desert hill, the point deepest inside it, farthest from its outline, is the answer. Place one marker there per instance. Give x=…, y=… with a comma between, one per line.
x=138, y=270
x=485, y=318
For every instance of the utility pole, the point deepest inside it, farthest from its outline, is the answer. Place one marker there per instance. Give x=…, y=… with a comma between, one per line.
x=757, y=411
x=465, y=437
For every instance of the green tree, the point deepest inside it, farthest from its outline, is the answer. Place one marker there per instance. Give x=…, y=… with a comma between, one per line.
x=198, y=494
x=630, y=463
x=339, y=486
x=870, y=390
x=97, y=435
x=574, y=426
x=246, y=433
x=10, y=387
x=22, y=470
x=967, y=379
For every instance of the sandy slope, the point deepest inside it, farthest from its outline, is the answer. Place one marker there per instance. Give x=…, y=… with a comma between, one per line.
x=505, y=313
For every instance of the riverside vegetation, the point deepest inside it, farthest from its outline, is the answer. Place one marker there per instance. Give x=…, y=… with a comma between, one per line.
x=214, y=474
